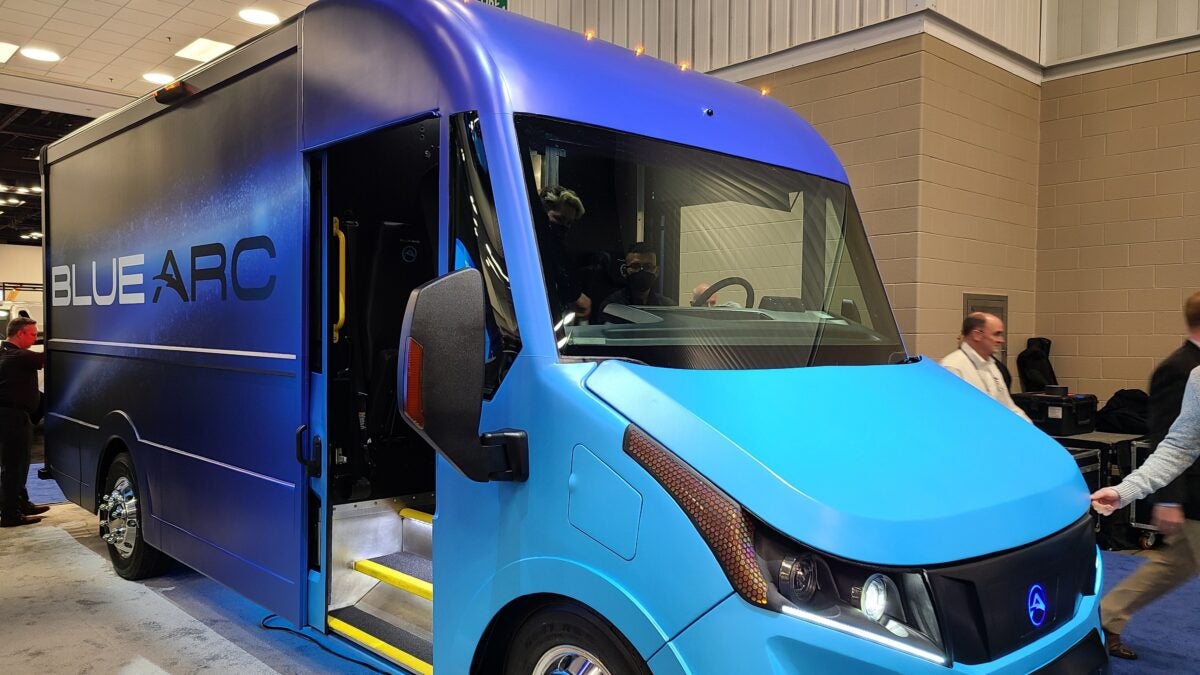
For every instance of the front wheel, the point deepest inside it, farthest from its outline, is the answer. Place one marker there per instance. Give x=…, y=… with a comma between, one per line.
x=571, y=640
x=121, y=523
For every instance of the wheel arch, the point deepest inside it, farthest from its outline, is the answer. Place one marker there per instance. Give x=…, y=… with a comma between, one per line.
x=118, y=435
x=526, y=585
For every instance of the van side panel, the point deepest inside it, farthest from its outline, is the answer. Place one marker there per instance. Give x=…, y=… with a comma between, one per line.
x=495, y=542
x=177, y=295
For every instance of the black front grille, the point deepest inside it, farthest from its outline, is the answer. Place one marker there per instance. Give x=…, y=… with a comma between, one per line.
x=989, y=607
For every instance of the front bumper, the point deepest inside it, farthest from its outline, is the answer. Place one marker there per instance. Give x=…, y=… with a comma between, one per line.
x=735, y=637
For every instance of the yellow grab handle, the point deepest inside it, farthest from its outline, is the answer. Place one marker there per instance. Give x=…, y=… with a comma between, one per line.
x=341, y=319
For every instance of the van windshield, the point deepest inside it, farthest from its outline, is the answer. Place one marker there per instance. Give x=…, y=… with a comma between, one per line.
x=679, y=257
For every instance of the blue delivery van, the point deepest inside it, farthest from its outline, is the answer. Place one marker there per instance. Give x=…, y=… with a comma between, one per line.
x=417, y=294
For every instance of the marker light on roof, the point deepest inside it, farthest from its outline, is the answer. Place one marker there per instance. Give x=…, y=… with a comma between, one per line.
x=639, y=50
x=590, y=34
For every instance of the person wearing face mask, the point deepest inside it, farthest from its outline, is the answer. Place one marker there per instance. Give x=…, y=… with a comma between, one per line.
x=640, y=271
x=563, y=208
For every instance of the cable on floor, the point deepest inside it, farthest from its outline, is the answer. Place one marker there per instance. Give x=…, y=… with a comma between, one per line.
x=263, y=624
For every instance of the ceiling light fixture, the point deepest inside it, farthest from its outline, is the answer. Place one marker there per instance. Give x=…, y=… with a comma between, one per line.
x=7, y=49
x=259, y=17
x=23, y=190
x=39, y=54
x=36, y=188
x=158, y=78
x=203, y=50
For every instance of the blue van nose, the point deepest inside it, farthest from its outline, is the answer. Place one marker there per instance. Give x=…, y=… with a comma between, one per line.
x=895, y=464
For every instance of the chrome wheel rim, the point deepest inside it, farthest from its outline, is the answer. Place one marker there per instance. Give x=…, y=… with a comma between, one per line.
x=119, y=517
x=569, y=660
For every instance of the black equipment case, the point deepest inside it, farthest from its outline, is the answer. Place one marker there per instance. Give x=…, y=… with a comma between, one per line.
x=1059, y=414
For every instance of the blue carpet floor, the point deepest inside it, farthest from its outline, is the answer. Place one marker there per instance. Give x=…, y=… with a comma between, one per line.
x=1166, y=633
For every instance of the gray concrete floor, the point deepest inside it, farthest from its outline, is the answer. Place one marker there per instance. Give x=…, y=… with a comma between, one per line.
x=63, y=610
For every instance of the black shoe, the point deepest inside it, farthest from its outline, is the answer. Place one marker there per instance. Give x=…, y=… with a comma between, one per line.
x=19, y=521
x=1117, y=648
x=31, y=509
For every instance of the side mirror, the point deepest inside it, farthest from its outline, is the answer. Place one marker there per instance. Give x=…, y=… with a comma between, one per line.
x=440, y=379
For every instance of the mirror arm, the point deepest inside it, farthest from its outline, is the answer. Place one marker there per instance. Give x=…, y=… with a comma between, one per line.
x=509, y=451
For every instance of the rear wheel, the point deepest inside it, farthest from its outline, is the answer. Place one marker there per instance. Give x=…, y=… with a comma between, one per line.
x=121, y=523
x=567, y=639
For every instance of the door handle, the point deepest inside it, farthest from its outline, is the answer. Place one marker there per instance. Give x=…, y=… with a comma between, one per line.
x=311, y=466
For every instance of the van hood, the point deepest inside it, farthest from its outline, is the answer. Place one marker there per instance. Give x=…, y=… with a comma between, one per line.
x=894, y=465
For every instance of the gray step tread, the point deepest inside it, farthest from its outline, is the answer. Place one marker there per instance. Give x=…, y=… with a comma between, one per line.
x=392, y=635
x=411, y=564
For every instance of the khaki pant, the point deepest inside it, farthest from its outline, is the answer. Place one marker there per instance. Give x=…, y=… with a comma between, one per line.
x=1173, y=566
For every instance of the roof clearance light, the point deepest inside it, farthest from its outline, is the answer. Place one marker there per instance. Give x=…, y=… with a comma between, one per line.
x=764, y=91
x=684, y=65
x=7, y=49
x=639, y=50
x=39, y=54
x=158, y=78
x=259, y=17
x=203, y=50
x=176, y=91
x=589, y=34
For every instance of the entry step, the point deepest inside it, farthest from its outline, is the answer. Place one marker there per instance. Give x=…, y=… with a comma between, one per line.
x=411, y=651
x=407, y=571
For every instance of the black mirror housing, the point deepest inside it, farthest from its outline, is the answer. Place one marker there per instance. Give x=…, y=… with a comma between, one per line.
x=440, y=378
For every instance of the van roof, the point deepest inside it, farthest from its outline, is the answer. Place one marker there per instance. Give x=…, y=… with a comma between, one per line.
x=494, y=61
x=453, y=55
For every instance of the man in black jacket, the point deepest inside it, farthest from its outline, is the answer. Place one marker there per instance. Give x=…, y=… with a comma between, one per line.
x=1177, y=512
x=19, y=400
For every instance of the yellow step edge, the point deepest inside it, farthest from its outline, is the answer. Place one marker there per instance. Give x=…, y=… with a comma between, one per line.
x=417, y=515
x=367, y=640
x=395, y=578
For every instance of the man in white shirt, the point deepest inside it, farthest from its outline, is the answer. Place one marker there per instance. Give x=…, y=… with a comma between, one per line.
x=982, y=336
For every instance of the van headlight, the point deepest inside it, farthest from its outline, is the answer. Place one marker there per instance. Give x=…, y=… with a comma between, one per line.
x=880, y=598
x=891, y=607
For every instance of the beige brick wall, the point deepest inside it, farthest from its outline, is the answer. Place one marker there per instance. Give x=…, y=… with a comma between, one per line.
x=1119, y=219
x=979, y=172
x=941, y=150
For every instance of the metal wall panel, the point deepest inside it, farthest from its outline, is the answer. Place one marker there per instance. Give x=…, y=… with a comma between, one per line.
x=1013, y=24
x=710, y=34
x=1082, y=28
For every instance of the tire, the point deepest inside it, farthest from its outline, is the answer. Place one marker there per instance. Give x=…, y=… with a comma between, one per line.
x=120, y=523
x=553, y=638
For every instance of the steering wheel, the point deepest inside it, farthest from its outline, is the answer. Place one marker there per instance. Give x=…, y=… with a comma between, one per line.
x=702, y=299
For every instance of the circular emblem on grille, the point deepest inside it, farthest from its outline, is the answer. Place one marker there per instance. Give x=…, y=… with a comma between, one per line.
x=1036, y=605
x=408, y=253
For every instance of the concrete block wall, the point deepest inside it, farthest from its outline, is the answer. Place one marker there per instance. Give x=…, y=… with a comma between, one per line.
x=1119, y=219
x=979, y=168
